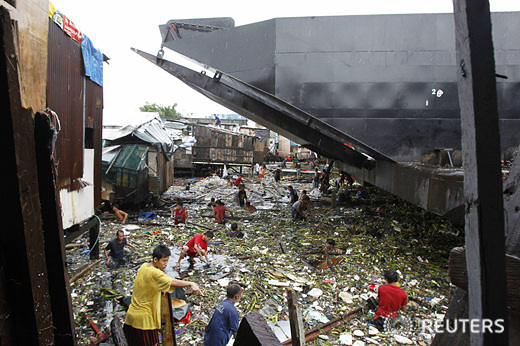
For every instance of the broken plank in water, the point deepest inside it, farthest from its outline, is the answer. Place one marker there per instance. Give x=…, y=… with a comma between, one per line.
x=325, y=327
x=85, y=271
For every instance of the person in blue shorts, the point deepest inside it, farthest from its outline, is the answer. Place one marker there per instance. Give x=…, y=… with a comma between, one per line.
x=224, y=321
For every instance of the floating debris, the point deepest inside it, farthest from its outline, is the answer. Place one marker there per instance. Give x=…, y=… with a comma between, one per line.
x=279, y=252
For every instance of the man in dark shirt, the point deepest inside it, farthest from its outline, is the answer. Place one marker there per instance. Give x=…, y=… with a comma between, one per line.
x=278, y=175
x=235, y=232
x=116, y=246
x=293, y=195
x=224, y=321
x=242, y=195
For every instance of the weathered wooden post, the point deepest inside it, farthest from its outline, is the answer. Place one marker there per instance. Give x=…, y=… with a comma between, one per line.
x=167, y=328
x=485, y=241
x=295, y=318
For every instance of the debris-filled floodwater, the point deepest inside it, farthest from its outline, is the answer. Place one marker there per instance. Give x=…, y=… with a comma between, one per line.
x=376, y=233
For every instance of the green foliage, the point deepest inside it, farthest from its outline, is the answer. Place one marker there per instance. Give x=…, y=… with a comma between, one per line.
x=164, y=111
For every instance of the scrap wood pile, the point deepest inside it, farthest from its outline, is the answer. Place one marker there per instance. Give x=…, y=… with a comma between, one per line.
x=376, y=234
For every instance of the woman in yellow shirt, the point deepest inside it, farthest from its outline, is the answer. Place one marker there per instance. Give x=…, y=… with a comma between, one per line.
x=143, y=319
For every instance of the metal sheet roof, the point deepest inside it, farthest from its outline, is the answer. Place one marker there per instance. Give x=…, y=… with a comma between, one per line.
x=150, y=130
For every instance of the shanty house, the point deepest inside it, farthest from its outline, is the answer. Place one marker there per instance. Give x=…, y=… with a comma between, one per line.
x=137, y=160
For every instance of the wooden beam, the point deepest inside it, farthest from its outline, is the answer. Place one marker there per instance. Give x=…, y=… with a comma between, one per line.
x=295, y=318
x=167, y=328
x=54, y=240
x=459, y=276
x=325, y=327
x=85, y=271
x=25, y=304
x=116, y=329
x=254, y=331
x=485, y=241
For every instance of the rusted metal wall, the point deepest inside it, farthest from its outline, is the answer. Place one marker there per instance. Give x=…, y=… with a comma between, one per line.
x=78, y=102
x=214, y=146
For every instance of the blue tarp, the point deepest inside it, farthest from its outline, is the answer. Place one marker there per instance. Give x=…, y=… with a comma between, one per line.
x=93, y=59
x=147, y=216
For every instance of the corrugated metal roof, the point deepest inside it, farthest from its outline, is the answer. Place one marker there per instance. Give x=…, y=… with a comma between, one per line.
x=150, y=130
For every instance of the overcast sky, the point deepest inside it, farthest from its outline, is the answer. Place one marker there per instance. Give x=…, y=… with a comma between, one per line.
x=130, y=81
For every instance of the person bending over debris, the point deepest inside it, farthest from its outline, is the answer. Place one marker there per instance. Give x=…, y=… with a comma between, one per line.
x=391, y=299
x=303, y=195
x=278, y=175
x=299, y=207
x=224, y=321
x=198, y=245
x=362, y=193
x=179, y=214
x=120, y=215
x=250, y=207
x=238, y=181
x=116, y=246
x=331, y=249
x=211, y=203
x=143, y=318
x=293, y=195
x=220, y=212
x=242, y=195
x=235, y=232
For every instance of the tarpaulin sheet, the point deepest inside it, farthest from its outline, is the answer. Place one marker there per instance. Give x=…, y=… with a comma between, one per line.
x=93, y=59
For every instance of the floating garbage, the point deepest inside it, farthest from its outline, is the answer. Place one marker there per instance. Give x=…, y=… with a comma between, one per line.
x=315, y=315
x=345, y=339
x=346, y=297
x=315, y=292
x=403, y=340
x=358, y=333
x=278, y=252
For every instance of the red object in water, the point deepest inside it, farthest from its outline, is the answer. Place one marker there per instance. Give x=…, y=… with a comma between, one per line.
x=372, y=287
x=185, y=319
x=93, y=325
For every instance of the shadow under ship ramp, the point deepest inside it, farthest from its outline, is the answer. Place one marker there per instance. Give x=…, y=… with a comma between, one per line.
x=372, y=92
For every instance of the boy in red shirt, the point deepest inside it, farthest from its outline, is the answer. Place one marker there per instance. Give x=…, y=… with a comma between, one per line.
x=391, y=299
x=198, y=245
x=179, y=214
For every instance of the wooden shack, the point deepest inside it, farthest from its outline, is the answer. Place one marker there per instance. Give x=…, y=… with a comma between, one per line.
x=216, y=147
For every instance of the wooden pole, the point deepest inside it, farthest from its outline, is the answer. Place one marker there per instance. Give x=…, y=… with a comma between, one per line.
x=85, y=271
x=167, y=329
x=295, y=318
x=485, y=241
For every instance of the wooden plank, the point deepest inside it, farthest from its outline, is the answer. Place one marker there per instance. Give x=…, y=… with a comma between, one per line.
x=485, y=240
x=59, y=288
x=116, y=329
x=24, y=301
x=254, y=330
x=459, y=276
x=85, y=271
x=325, y=327
x=167, y=329
x=33, y=22
x=295, y=318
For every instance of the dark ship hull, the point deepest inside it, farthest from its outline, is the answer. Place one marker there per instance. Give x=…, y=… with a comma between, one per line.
x=386, y=80
x=376, y=94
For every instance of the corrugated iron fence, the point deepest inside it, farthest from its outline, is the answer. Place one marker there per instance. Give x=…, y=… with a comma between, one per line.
x=79, y=104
